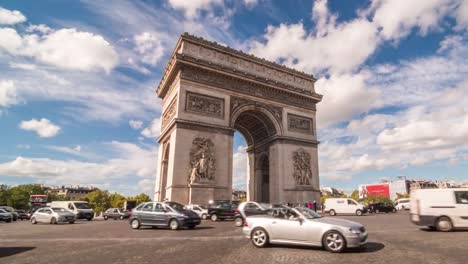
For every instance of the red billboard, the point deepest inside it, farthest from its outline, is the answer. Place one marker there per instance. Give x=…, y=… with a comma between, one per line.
x=374, y=190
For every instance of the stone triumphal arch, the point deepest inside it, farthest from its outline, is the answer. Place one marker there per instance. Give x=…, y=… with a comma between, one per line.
x=208, y=92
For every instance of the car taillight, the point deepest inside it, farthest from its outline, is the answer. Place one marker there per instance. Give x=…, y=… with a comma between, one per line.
x=236, y=211
x=245, y=223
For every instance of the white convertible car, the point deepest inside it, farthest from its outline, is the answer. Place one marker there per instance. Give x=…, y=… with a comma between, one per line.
x=302, y=226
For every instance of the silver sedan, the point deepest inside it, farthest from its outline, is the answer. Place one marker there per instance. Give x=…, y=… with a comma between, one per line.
x=302, y=226
x=53, y=215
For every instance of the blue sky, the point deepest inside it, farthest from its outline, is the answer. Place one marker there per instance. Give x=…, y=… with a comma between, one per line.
x=77, y=81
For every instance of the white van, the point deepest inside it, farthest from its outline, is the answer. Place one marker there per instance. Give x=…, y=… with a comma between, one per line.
x=441, y=209
x=402, y=204
x=81, y=209
x=335, y=206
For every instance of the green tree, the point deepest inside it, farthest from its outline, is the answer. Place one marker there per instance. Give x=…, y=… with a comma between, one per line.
x=116, y=200
x=4, y=194
x=355, y=195
x=19, y=195
x=401, y=195
x=378, y=199
x=98, y=200
x=323, y=198
x=53, y=196
x=141, y=198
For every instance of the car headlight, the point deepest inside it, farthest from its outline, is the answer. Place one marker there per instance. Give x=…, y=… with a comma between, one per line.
x=355, y=231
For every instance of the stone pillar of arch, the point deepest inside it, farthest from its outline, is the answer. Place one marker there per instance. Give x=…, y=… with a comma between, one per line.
x=208, y=92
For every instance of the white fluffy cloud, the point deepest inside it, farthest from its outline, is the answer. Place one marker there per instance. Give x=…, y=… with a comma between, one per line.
x=431, y=126
x=43, y=127
x=8, y=93
x=397, y=18
x=130, y=160
x=344, y=96
x=462, y=18
x=239, y=164
x=65, y=48
x=149, y=47
x=8, y=17
x=191, y=8
x=322, y=52
x=146, y=185
x=153, y=130
x=135, y=124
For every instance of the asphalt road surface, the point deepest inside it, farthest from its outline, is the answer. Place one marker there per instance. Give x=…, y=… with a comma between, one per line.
x=392, y=239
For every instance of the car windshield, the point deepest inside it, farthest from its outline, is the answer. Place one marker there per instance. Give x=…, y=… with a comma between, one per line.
x=7, y=209
x=58, y=209
x=308, y=213
x=82, y=206
x=176, y=206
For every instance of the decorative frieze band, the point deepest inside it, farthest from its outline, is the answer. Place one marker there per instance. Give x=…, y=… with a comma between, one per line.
x=300, y=124
x=242, y=86
x=204, y=104
x=235, y=62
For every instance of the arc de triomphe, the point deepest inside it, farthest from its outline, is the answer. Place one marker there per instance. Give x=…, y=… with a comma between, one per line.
x=208, y=92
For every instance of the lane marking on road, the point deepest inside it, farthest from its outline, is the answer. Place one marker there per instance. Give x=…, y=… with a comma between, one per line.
x=210, y=238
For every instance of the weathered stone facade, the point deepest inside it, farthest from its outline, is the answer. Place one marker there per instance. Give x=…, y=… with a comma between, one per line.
x=209, y=91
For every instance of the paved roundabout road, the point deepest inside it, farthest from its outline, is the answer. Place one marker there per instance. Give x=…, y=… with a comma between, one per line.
x=392, y=239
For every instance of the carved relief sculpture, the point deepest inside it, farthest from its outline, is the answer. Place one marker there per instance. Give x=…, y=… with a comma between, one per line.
x=299, y=124
x=302, y=168
x=169, y=113
x=209, y=105
x=202, y=161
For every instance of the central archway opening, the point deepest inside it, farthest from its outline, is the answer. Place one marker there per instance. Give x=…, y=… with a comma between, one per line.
x=251, y=164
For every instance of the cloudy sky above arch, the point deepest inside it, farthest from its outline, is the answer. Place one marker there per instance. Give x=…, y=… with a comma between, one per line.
x=395, y=84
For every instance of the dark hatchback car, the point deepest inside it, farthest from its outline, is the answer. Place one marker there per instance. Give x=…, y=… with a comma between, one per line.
x=22, y=215
x=116, y=213
x=381, y=208
x=222, y=209
x=163, y=214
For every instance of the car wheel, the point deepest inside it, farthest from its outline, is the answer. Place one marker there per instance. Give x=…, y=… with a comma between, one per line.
x=444, y=224
x=8, y=220
x=239, y=221
x=358, y=212
x=135, y=224
x=332, y=212
x=377, y=211
x=53, y=221
x=89, y=219
x=334, y=241
x=203, y=216
x=105, y=217
x=214, y=217
x=191, y=227
x=121, y=217
x=394, y=210
x=173, y=224
x=71, y=222
x=33, y=220
x=259, y=237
